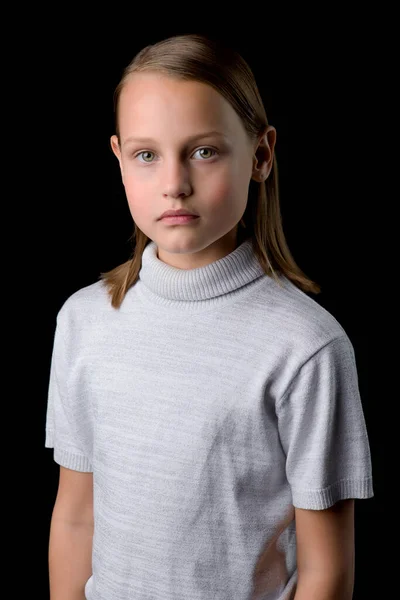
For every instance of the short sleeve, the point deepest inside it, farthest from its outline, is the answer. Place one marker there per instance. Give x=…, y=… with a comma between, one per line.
x=323, y=432
x=61, y=431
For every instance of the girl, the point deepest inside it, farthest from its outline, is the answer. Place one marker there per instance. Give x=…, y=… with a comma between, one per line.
x=203, y=409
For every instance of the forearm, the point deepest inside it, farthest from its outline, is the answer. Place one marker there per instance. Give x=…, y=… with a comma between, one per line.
x=70, y=559
x=324, y=587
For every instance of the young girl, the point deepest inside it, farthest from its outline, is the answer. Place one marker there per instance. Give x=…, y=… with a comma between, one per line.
x=203, y=408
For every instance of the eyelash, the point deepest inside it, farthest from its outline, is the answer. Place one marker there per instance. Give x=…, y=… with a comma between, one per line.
x=202, y=148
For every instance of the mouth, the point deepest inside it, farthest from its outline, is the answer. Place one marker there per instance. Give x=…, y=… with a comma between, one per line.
x=179, y=219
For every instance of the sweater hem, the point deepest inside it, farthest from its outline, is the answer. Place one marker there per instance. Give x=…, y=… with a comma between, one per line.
x=341, y=490
x=65, y=458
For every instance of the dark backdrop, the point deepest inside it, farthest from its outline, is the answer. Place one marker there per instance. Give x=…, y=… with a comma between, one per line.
x=79, y=224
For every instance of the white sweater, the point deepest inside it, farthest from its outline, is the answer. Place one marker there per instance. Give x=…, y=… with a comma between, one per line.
x=208, y=406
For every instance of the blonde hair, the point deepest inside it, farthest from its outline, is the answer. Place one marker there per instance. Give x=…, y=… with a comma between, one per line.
x=200, y=58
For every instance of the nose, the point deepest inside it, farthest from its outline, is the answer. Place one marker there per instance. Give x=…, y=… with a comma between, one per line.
x=176, y=179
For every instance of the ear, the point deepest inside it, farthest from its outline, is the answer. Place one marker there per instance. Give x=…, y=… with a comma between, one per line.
x=116, y=149
x=264, y=155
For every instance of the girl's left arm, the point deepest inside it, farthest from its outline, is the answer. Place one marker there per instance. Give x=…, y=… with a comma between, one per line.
x=325, y=552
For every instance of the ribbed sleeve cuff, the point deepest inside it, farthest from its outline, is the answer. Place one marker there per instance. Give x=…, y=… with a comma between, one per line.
x=341, y=490
x=67, y=459
x=49, y=441
x=72, y=461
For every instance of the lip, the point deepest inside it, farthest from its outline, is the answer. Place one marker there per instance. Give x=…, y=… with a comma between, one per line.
x=179, y=219
x=176, y=213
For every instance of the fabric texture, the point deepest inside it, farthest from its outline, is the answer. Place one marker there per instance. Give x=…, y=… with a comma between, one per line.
x=212, y=403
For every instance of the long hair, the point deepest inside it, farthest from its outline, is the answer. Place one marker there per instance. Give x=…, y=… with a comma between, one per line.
x=200, y=58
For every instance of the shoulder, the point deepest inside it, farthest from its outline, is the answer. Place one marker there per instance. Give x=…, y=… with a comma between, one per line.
x=87, y=306
x=297, y=321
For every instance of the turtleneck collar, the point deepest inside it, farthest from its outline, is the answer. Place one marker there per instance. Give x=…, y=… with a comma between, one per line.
x=167, y=284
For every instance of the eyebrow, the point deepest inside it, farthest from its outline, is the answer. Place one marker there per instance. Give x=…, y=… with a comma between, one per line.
x=198, y=136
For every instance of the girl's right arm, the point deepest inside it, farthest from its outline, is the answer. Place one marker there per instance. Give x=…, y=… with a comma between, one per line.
x=71, y=536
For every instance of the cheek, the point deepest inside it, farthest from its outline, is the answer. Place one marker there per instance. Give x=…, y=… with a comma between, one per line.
x=230, y=182
x=136, y=191
x=224, y=192
x=218, y=187
x=218, y=193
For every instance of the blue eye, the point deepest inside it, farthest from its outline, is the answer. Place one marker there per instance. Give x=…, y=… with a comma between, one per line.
x=200, y=149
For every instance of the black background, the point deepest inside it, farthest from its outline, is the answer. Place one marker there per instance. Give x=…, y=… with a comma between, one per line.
x=77, y=221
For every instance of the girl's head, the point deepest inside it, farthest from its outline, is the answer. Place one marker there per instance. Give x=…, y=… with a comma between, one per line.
x=171, y=159
x=192, y=133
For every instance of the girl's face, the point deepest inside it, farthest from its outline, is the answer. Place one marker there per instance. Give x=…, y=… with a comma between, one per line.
x=163, y=167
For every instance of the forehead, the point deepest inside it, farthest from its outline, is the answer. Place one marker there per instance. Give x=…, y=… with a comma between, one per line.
x=152, y=100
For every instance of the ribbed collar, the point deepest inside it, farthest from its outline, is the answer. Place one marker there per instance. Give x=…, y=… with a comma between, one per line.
x=219, y=278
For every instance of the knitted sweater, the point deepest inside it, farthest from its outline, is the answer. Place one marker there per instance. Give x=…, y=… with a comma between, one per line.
x=208, y=406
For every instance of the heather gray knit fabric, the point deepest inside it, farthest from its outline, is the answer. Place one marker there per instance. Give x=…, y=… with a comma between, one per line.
x=208, y=406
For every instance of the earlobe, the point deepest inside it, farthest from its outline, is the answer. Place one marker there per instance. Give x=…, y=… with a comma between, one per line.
x=115, y=146
x=116, y=149
x=260, y=168
x=264, y=155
